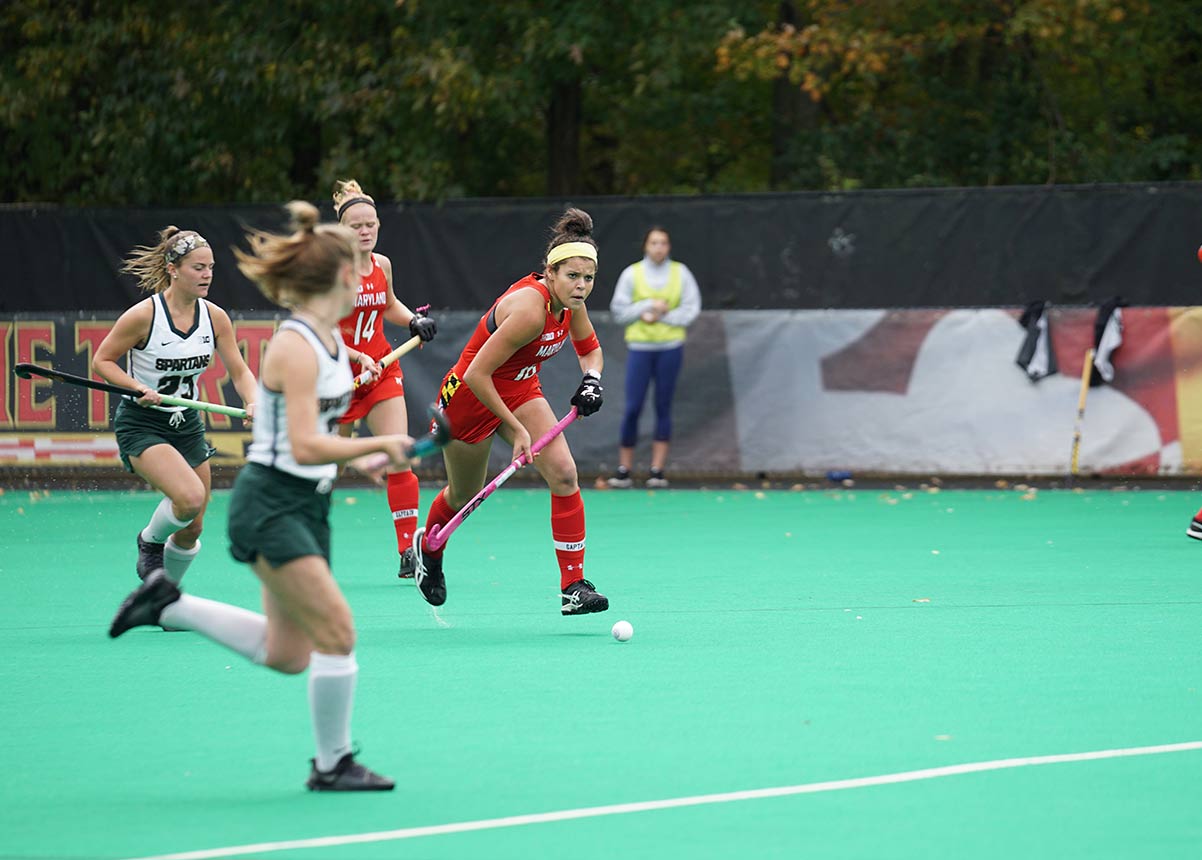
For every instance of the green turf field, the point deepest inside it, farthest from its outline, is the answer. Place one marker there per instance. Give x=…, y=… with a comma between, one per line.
x=782, y=639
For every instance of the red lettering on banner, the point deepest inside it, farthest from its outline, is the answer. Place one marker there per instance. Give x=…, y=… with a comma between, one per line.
x=32, y=412
x=6, y=388
x=252, y=338
x=208, y=389
x=88, y=336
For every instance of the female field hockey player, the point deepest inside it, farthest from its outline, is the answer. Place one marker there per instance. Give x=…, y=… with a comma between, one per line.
x=170, y=338
x=279, y=511
x=380, y=402
x=494, y=388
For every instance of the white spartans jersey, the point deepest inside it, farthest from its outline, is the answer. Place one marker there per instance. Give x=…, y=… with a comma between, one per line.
x=270, y=445
x=172, y=359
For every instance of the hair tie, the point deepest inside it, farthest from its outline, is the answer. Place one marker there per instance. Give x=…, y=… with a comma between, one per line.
x=349, y=203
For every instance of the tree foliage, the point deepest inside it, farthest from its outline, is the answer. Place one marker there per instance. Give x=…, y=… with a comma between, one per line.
x=132, y=102
x=980, y=92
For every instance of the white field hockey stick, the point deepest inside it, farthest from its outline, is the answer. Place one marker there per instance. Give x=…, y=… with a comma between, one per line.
x=436, y=536
x=25, y=371
x=1075, y=456
x=409, y=345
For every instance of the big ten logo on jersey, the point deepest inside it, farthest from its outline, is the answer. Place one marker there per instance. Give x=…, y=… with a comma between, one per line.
x=549, y=349
x=526, y=372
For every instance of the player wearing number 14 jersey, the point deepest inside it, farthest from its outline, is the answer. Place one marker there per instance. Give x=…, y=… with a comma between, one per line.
x=380, y=402
x=170, y=339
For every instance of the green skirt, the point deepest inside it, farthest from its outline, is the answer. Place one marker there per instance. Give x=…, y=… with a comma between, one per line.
x=278, y=516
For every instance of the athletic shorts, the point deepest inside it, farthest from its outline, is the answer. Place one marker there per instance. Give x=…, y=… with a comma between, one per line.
x=138, y=428
x=388, y=386
x=471, y=421
x=278, y=516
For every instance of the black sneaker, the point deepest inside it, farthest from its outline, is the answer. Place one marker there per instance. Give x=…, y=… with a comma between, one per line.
x=408, y=564
x=145, y=603
x=427, y=573
x=347, y=775
x=150, y=557
x=580, y=598
x=621, y=479
x=657, y=481
x=1195, y=529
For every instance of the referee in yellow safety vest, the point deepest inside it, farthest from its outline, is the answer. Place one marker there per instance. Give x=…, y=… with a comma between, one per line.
x=656, y=299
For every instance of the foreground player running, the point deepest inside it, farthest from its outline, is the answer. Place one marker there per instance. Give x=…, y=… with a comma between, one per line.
x=170, y=338
x=494, y=388
x=279, y=512
x=381, y=402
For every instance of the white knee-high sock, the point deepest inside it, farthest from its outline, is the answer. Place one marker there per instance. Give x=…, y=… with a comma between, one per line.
x=331, y=698
x=162, y=523
x=232, y=626
x=176, y=561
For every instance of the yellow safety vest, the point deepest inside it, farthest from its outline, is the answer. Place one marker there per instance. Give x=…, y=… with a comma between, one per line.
x=656, y=332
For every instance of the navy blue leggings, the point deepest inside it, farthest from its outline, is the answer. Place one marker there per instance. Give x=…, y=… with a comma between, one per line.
x=641, y=367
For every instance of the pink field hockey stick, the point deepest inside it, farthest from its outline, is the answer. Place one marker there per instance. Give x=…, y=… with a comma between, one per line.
x=436, y=536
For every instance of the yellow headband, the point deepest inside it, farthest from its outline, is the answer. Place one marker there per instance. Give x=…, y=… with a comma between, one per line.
x=571, y=249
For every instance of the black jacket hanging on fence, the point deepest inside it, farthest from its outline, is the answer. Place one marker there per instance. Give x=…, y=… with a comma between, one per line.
x=1036, y=356
x=1107, y=337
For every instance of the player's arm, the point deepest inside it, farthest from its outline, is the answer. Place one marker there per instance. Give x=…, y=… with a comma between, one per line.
x=520, y=319
x=131, y=329
x=584, y=339
x=587, y=398
x=231, y=357
x=290, y=366
x=398, y=313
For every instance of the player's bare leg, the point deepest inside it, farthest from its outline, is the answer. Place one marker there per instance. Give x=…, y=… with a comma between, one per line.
x=557, y=467
x=467, y=468
x=310, y=625
x=186, y=492
x=385, y=418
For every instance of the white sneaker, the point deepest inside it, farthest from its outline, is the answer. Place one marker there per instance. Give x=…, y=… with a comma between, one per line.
x=621, y=480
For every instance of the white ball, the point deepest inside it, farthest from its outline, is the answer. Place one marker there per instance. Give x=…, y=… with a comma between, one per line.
x=622, y=631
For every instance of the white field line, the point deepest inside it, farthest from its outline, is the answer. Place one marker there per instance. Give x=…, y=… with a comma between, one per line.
x=676, y=802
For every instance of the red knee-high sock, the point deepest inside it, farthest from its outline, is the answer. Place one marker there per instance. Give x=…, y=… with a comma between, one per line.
x=567, y=528
x=440, y=514
x=402, y=501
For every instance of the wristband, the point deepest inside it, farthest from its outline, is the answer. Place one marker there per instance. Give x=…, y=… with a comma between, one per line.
x=587, y=345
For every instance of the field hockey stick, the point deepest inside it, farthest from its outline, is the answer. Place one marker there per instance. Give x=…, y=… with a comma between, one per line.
x=411, y=344
x=436, y=537
x=435, y=440
x=25, y=371
x=1074, y=458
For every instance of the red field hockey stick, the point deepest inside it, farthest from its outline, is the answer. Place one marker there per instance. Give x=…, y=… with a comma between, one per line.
x=436, y=536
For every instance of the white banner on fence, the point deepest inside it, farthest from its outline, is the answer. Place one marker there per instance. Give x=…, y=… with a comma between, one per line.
x=814, y=392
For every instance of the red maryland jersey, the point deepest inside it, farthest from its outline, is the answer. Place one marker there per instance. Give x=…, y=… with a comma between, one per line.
x=523, y=365
x=363, y=327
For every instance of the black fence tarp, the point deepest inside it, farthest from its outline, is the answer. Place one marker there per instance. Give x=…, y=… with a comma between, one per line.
x=865, y=249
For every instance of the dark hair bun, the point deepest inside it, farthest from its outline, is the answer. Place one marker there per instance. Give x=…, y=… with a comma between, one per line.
x=574, y=222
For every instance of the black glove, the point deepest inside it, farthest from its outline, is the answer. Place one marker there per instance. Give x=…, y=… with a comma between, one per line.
x=587, y=398
x=422, y=326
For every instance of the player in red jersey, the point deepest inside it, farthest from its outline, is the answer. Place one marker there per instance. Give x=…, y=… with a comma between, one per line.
x=380, y=402
x=494, y=388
